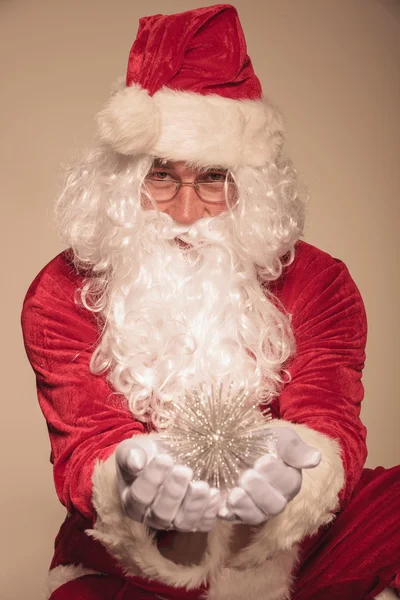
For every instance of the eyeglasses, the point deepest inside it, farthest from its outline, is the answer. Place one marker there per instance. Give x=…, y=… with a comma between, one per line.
x=163, y=190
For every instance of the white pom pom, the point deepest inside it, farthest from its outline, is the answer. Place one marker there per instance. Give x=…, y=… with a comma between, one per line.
x=130, y=122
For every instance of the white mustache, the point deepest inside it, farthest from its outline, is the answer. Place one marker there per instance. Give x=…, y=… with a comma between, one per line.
x=207, y=228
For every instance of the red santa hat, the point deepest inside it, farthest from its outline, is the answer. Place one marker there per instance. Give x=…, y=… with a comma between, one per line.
x=191, y=94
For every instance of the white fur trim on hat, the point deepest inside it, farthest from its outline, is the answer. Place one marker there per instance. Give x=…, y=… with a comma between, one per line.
x=130, y=122
x=206, y=130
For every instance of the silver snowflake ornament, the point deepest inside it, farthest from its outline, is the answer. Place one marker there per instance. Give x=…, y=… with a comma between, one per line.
x=218, y=433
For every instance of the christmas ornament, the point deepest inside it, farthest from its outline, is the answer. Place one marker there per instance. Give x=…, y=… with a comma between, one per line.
x=218, y=433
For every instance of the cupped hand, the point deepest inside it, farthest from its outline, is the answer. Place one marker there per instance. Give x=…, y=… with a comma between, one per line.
x=159, y=493
x=264, y=491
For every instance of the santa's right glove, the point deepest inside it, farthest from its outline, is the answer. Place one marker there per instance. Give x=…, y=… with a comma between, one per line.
x=159, y=493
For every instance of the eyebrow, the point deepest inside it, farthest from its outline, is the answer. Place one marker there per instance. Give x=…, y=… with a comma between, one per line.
x=159, y=162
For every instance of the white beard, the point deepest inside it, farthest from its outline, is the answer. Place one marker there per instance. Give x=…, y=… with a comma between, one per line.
x=178, y=317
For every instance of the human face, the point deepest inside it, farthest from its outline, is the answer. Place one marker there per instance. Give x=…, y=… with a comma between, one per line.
x=186, y=206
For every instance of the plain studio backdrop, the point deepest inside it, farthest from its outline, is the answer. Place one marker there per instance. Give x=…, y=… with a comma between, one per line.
x=333, y=68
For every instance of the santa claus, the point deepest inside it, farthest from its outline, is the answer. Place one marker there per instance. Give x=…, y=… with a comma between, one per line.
x=184, y=268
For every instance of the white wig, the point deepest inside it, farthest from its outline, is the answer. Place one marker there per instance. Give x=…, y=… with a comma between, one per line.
x=133, y=271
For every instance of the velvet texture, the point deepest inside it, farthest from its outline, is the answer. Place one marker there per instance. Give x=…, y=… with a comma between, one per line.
x=86, y=420
x=201, y=51
x=191, y=94
x=356, y=558
x=359, y=555
x=97, y=587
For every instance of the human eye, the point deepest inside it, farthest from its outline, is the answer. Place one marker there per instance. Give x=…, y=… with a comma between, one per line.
x=211, y=176
x=160, y=175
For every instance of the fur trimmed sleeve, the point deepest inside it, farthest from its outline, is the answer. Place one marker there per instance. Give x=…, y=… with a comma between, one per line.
x=134, y=545
x=321, y=402
x=85, y=420
x=330, y=327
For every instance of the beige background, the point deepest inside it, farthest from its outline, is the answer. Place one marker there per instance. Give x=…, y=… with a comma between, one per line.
x=332, y=66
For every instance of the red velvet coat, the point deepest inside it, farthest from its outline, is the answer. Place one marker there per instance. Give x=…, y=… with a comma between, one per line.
x=86, y=421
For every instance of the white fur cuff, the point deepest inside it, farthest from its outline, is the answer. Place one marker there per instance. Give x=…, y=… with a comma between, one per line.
x=312, y=508
x=238, y=561
x=134, y=545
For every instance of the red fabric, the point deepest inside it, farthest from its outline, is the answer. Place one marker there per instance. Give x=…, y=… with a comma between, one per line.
x=355, y=558
x=73, y=545
x=201, y=51
x=94, y=587
x=329, y=323
x=98, y=587
x=86, y=421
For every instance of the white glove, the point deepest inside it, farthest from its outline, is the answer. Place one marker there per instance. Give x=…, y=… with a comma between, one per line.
x=264, y=491
x=157, y=492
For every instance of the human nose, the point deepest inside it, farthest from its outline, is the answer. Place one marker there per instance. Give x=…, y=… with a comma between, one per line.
x=187, y=207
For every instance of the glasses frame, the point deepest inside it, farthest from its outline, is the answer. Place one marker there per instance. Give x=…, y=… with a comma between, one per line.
x=195, y=185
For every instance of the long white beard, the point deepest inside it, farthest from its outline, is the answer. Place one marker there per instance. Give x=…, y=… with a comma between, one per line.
x=178, y=316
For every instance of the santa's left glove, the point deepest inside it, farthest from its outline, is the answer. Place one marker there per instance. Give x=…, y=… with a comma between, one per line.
x=264, y=491
x=159, y=493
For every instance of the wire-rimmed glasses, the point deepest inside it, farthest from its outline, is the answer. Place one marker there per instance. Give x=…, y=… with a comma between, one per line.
x=217, y=192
